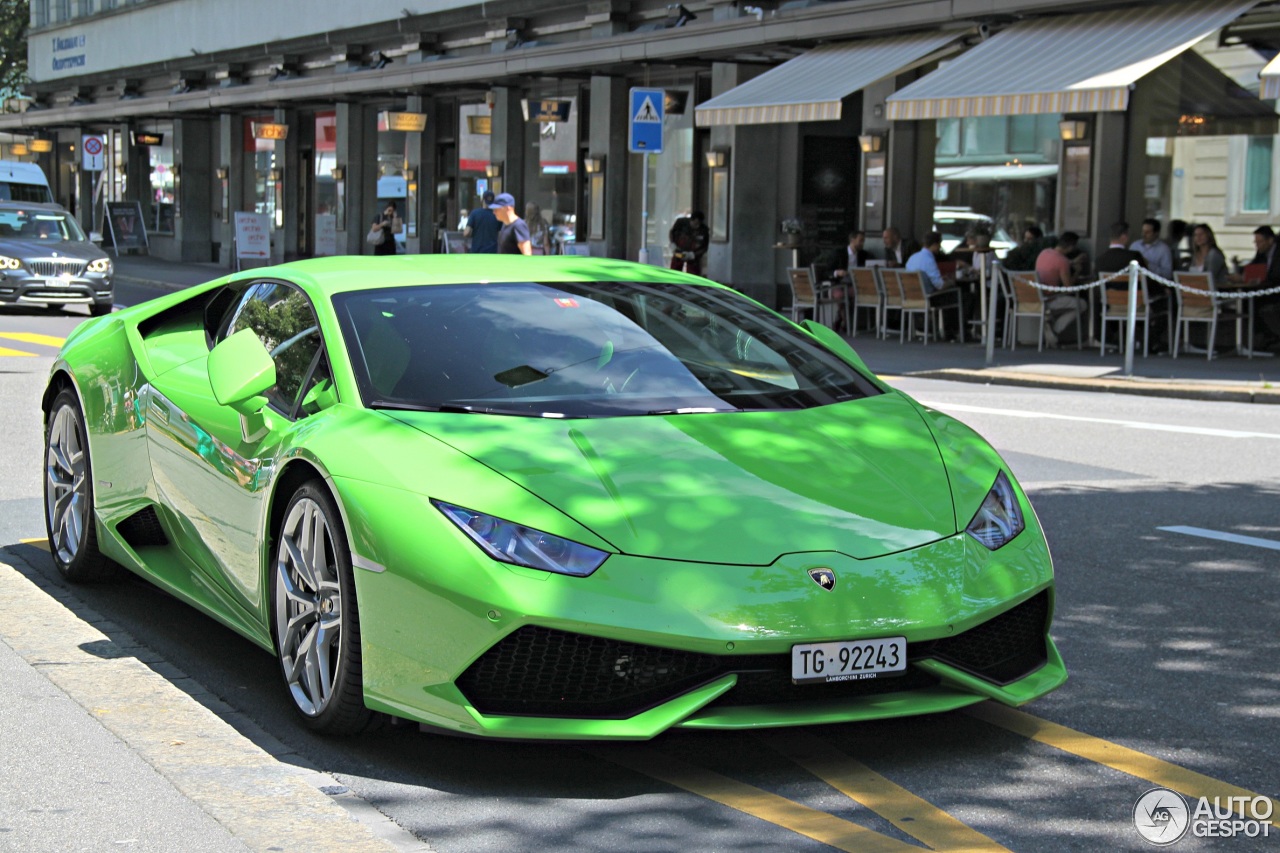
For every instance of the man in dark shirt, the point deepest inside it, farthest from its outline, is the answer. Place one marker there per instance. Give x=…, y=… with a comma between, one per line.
x=513, y=239
x=1267, y=308
x=482, y=228
x=1118, y=255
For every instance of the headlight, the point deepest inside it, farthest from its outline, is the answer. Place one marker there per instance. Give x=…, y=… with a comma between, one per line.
x=100, y=265
x=523, y=546
x=7, y=263
x=999, y=519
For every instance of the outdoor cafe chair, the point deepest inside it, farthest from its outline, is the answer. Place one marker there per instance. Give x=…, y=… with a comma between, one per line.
x=892, y=292
x=867, y=296
x=808, y=295
x=1115, y=309
x=1023, y=299
x=1201, y=308
x=916, y=301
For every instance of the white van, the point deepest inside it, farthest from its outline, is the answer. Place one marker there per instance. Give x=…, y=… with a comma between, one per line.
x=23, y=182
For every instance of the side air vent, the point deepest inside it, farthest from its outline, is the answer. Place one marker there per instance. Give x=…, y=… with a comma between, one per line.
x=142, y=529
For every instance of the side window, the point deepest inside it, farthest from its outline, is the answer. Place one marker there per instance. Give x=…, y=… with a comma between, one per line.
x=282, y=318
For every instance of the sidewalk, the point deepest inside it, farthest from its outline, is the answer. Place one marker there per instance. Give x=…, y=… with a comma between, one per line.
x=1227, y=378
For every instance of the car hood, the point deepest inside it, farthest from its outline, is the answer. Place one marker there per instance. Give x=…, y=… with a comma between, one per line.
x=46, y=249
x=864, y=478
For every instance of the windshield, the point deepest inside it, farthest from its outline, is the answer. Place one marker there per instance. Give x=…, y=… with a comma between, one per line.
x=584, y=350
x=44, y=226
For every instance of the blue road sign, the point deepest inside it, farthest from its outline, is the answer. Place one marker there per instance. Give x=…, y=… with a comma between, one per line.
x=646, y=121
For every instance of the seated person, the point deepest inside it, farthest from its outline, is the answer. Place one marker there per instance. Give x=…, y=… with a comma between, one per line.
x=836, y=263
x=925, y=262
x=1055, y=268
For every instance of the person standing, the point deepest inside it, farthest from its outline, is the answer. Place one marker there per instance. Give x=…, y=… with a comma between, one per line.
x=513, y=239
x=482, y=228
x=539, y=233
x=689, y=237
x=389, y=225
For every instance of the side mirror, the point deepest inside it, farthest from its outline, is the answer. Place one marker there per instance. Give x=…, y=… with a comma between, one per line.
x=241, y=372
x=838, y=345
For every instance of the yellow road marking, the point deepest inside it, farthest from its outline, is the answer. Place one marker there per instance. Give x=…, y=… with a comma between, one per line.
x=41, y=543
x=33, y=338
x=914, y=816
x=820, y=826
x=5, y=351
x=1113, y=755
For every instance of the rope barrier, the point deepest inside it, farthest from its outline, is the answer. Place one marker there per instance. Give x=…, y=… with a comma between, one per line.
x=1220, y=294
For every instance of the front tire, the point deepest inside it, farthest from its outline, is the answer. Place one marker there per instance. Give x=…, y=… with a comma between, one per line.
x=315, y=621
x=68, y=495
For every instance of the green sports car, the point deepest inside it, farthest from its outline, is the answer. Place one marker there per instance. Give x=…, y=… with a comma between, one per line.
x=550, y=497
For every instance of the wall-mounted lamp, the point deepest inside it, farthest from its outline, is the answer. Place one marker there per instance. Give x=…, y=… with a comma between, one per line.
x=19, y=149
x=593, y=165
x=276, y=175
x=41, y=146
x=1071, y=129
x=338, y=173
x=715, y=158
x=870, y=142
x=221, y=173
x=493, y=170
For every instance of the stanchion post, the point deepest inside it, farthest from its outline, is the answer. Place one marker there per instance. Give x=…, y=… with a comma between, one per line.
x=1132, y=318
x=991, y=311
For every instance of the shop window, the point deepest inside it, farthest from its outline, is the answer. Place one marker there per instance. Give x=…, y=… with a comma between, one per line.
x=260, y=193
x=671, y=183
x=552, y=184
x=393, y=182
x=986, y=135
x=475, y=127
x=1024, y=134
x=948, y=136
x=163, y=186
x=1256, y=195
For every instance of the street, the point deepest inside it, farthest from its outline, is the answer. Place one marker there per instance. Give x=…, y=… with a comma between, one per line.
x=1163, y=516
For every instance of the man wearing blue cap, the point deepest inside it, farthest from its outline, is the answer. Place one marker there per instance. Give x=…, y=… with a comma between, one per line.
x=482, y=228
x=513, y=239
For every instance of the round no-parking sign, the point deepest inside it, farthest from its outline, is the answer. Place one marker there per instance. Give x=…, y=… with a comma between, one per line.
x=94, y=159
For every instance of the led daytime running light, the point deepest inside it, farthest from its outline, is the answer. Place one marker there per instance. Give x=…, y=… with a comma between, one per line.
x=999, y=519
x=513, y=543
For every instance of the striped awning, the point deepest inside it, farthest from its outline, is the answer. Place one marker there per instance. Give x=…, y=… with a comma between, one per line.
x=1270, y=78
x=811, y=86
x=1073, y=63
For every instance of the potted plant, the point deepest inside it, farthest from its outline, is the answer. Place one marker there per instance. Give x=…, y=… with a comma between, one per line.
x=792, y=228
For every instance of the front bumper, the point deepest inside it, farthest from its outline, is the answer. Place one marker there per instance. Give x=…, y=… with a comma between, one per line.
x=22, y=288
x=458, y=641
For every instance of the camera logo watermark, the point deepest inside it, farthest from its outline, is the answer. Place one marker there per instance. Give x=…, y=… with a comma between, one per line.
x=1162, y=817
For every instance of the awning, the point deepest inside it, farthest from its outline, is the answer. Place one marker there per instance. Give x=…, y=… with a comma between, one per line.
x=998, y=172
x=1073, y=63
x=1191, y=97
x=1270, y=78
x=811, y=86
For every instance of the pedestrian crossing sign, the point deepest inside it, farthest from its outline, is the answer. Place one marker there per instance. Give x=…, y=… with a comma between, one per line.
x=646, y=121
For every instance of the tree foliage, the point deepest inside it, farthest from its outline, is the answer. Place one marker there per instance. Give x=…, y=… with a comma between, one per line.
x=15, y=15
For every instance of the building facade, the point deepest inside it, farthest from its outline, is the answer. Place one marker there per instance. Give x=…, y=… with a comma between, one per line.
x=842, y=114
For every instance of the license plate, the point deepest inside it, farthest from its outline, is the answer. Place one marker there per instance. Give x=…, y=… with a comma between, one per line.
x=850, y=660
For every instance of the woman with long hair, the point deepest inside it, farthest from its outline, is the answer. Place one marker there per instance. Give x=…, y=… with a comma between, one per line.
x=1205, y=254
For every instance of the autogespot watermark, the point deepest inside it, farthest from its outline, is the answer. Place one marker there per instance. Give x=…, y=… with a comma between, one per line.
x=1162, y=817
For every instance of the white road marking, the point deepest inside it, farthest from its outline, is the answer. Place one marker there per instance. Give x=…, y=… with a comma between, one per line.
x=1257, y=542
x=1018, y=413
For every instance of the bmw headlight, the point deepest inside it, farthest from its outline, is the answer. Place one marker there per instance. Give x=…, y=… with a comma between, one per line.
x=8, y=263
x=100, y=265
x=999, y=519
x=513, y=543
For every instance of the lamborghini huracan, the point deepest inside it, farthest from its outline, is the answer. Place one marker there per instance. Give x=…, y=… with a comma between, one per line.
x=550, y=497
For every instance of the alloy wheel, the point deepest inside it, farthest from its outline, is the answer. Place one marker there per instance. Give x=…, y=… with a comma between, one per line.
x=66, y=492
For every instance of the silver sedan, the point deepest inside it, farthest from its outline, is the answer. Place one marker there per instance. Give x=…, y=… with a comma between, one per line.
x=46, y=259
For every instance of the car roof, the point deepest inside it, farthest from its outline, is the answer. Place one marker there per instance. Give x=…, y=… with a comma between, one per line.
x=368, y=272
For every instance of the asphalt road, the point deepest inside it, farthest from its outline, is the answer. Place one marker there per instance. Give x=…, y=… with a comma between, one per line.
x=1170, y=637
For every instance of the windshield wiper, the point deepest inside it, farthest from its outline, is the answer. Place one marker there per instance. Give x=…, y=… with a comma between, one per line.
x=693, y=410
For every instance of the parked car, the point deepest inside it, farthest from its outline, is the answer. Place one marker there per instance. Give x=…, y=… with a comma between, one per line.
x=23, y=182
x=545, y=497
x=46, y=259
x=954, y=222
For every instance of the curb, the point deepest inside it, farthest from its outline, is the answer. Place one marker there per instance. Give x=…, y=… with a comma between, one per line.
x=265, y=795
x=1144, y=388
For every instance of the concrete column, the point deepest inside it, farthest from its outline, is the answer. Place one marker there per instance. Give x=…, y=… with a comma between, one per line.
x=193, y=157
x=1108, y=197
x=506, y=144
x=607, y=136
x=285, y=246
x=361, y=178
x=420, y=148
x=764, y=162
